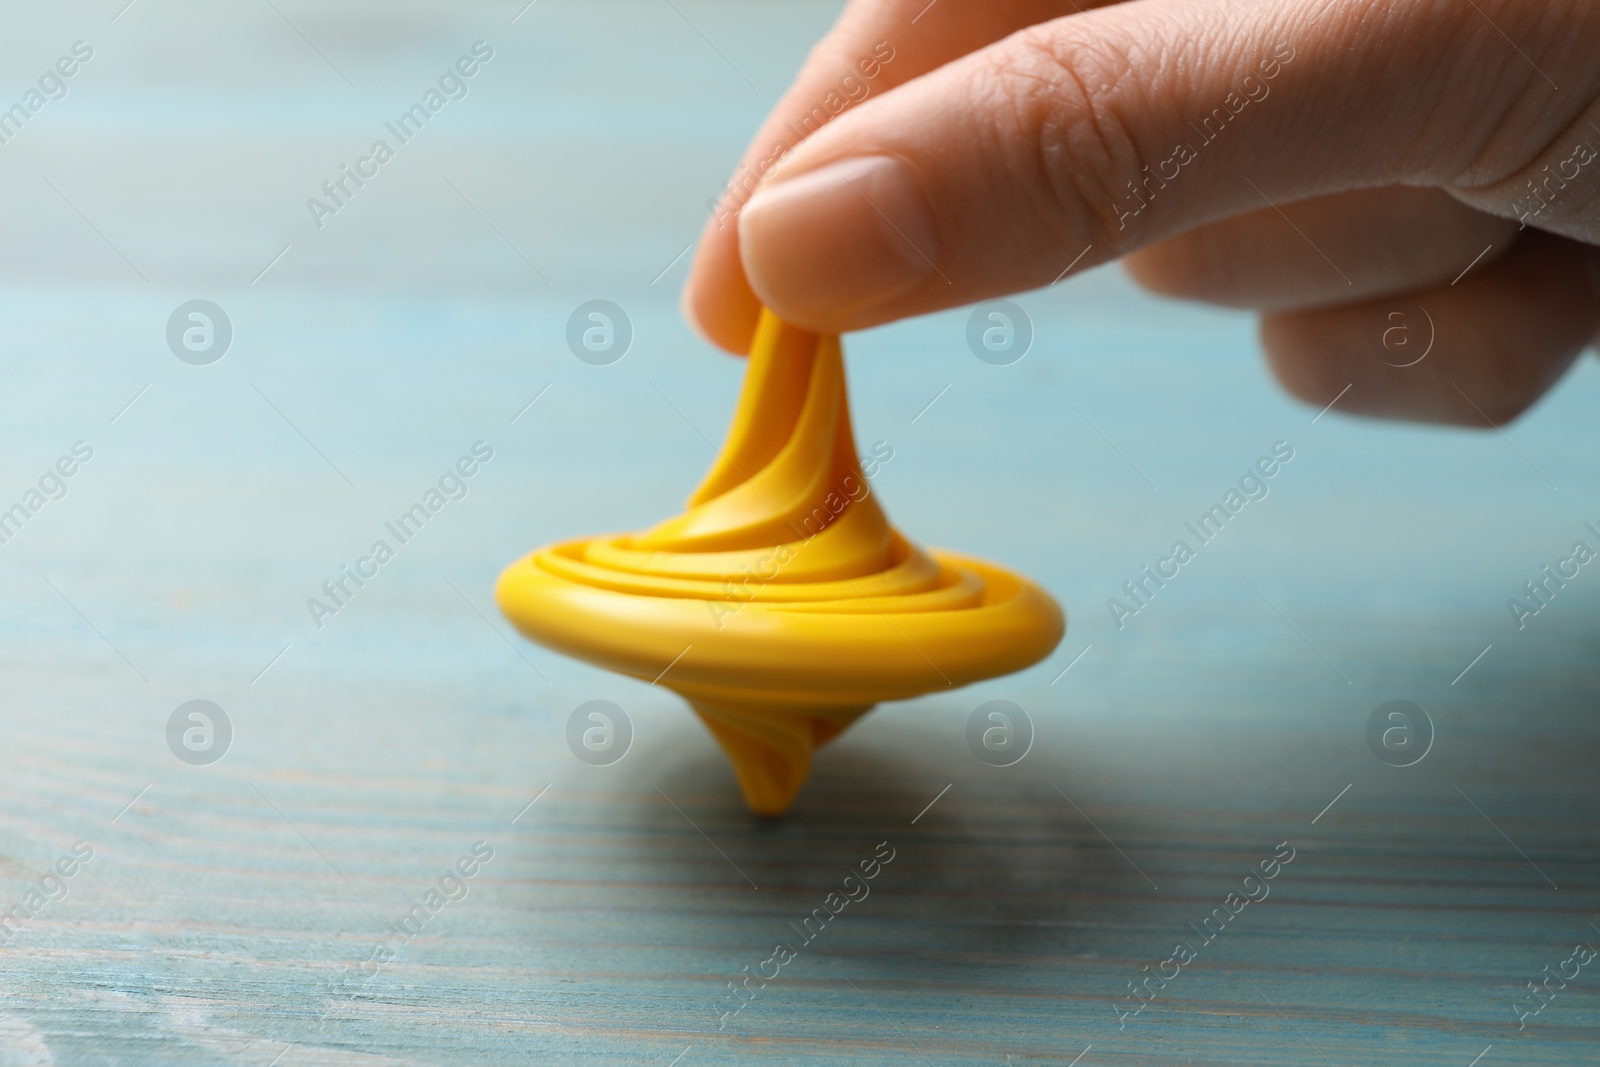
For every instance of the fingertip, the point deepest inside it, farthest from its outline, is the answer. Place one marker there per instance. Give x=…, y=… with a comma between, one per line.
x=717, y=301
x=826, y=245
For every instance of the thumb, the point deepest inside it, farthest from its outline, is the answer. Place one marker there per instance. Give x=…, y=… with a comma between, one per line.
x=1076, y=141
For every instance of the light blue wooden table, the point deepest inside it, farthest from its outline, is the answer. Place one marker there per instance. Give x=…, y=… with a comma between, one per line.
x=230, y=912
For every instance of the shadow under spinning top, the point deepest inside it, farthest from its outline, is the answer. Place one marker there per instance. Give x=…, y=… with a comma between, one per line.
x=782, y=599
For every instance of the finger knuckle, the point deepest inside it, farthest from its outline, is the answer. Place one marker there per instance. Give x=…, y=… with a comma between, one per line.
x=1066, y=92
x=1296, y=353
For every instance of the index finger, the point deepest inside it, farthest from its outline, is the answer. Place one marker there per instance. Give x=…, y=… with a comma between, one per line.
x=1077, y=141
x=875, y=46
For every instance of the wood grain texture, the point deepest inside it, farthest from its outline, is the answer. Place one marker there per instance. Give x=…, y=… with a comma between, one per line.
x=228, y=909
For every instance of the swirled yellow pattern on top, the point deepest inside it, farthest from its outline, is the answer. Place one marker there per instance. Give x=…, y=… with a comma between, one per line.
x=782, y=600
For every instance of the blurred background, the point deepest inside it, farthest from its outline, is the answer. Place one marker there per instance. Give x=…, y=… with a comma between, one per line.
x=240, y=883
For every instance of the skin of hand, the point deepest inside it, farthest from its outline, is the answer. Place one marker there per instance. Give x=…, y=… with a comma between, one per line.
x=1377, y=178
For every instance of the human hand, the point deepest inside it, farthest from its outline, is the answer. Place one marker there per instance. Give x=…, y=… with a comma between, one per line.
x=1332, y=164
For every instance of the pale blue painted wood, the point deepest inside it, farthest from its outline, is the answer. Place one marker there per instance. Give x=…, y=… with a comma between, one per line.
x=226, y=912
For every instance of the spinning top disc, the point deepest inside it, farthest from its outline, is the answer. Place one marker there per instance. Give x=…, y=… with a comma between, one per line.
x=782, y=600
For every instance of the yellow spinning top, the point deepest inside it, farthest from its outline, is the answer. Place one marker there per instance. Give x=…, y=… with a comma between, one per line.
x=782, y=599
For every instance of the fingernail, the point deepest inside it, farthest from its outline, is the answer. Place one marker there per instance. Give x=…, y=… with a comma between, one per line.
x=839, y=239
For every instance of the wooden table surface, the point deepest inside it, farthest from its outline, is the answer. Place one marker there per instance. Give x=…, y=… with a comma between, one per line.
x=232, y=913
